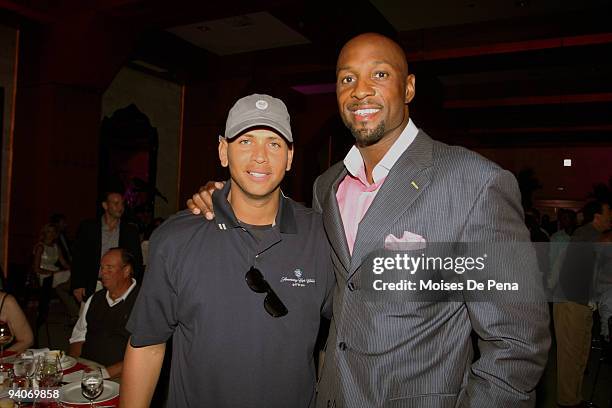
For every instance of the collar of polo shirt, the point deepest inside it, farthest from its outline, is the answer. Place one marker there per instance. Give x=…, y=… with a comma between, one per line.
x=226, y=219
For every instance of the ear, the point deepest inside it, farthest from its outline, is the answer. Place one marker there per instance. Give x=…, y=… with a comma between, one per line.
x=104, y=205
x=223, y=145
x=410, y=88
x=289, y=157
x=127, y=271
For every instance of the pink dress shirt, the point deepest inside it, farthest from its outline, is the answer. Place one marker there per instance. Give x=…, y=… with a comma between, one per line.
x=355, y=194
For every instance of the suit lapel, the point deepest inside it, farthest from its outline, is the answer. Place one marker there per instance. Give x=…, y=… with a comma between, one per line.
x=98, y=238
x=408, y=178
x=332, y=220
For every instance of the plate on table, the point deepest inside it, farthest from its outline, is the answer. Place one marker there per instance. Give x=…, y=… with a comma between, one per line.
x=68, y=362
x=71, y=393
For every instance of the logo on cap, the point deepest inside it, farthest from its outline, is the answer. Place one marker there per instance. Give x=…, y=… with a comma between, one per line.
x=298, y=273
x=261, y=104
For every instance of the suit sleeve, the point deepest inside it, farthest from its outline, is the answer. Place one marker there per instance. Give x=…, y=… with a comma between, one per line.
x=79, y=261
x=327, y=271
x=513, y=336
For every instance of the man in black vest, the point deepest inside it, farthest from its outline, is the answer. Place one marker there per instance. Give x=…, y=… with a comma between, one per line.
x=100, y=334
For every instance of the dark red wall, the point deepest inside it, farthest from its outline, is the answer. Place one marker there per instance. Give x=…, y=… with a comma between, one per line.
x=64, y=67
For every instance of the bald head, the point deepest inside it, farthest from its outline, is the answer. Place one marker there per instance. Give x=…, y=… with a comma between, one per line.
x=116, y=271
x=393, y=53
x=373, y=89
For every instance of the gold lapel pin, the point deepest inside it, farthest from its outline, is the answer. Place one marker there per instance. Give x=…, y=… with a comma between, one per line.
x=414, y=185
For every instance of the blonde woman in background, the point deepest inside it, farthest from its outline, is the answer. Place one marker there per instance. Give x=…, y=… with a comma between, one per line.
x=47, y=261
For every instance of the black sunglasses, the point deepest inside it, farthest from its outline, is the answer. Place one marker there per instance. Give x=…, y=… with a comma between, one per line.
x=273, y=305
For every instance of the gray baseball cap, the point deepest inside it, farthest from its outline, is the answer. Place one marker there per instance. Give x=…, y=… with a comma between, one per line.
x=258, y=110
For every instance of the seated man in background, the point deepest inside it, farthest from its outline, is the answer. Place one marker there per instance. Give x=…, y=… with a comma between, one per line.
x=100, y=334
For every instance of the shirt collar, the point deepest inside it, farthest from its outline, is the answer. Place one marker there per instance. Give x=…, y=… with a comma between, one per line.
x=105, y=225
x=354, y=162
x=226, y=219
x=112, y=302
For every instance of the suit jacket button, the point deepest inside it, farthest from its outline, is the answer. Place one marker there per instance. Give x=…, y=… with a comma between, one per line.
x=352, y=287
x=342, y=346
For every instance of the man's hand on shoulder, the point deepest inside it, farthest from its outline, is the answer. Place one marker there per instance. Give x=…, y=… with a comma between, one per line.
x=201, y=202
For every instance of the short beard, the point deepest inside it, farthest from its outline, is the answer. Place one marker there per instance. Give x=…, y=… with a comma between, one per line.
x=366, y=137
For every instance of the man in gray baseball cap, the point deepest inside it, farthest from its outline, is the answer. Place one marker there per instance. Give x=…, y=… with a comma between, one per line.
x=258, y=110
x=242, y=295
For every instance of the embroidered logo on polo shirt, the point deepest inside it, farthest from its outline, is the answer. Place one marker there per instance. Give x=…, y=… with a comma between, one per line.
x=298, y=281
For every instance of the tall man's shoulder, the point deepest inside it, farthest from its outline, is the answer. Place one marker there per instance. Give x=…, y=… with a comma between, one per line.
x=463, y=161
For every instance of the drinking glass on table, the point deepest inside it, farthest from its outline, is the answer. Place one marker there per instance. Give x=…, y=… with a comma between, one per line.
x=20, y=378
x=49, y=371
x=6, y=336
x=29, y=364
x=92, y=383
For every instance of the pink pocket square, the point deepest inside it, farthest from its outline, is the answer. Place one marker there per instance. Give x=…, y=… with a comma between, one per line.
x=408, y=242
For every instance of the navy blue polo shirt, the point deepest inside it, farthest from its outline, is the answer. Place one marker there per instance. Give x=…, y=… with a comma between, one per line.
x=227, y=350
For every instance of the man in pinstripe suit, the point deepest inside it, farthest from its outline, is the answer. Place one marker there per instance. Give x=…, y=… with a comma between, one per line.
x=396, y=181
x=399, y=181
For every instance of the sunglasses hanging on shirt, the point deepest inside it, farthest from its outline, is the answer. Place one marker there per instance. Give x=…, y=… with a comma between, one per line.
x=256, y=282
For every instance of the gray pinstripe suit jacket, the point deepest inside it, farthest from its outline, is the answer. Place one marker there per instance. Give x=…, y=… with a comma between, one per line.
x=420, y=354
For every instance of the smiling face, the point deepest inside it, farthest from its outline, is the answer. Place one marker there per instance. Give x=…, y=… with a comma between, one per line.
x=373, y=88
x=257, y=160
